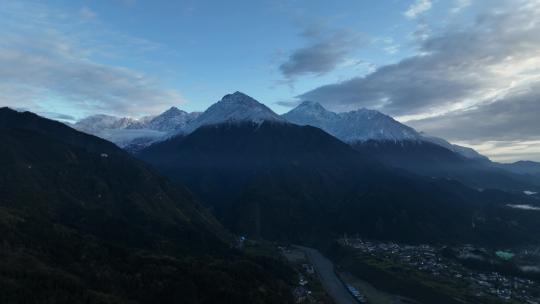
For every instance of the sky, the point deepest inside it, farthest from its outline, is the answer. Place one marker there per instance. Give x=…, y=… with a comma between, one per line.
x=464, y=70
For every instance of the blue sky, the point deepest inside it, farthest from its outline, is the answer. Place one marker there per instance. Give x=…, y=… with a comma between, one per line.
x=429, y=63
x=204, y=49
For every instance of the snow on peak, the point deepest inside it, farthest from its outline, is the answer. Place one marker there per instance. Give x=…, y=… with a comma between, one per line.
x=172, y=120
x=312, y=108
x=238, y=97
x=236, y=107
x=466, y=152
x=95, y=123
x=173, y=111
x=365, y=124
x=123, y=131
x=359, y=125
x=312, y=114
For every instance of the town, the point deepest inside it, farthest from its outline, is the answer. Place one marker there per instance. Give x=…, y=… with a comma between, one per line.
x=430, y=261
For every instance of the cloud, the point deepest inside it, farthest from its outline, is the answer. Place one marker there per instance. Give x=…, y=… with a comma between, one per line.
x=48, y=64
x=417, y=8
x=422, y=32
x=468, y=83
x=390, y=46
x=325, y=52
x=456, y=69
x=461, y=5
x=513, y=117
x=288, y=103
x=508, y=151
x=82, y=83
x=87, y=13
x=58, y=116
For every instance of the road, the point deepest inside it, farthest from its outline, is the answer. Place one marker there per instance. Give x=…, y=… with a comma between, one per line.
x=329, y=280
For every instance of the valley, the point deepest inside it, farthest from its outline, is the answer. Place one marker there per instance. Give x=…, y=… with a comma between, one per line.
x=269, y=152
x=245, y=175
x=443, y=274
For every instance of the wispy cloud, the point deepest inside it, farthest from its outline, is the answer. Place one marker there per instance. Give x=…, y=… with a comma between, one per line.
x=51, y=59
x=87, y=13
x=326, y=51
x=417, y=8
x=461, y=5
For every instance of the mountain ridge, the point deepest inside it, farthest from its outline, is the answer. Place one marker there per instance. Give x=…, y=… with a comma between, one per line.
x=365, y=125
x=84, y=222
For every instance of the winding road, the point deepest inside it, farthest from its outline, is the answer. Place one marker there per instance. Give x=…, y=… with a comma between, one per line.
x=329, y=279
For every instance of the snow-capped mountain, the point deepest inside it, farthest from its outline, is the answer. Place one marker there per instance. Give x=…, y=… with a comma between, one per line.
x=354, y=126
x=119, y=130
x=236, y=107
x=363, y=125
x=125, y=131
x=171, y=120
x=313, y=114
x=97, y=123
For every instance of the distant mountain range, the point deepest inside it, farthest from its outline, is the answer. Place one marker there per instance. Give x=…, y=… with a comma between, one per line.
x=366, y=125
x=355, y=126
x=360, y=125
x=369, y=131
x=128, y=132
x=522, y=167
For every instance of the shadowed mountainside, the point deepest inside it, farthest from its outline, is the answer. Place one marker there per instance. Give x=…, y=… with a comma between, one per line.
x=84, y=222
x=299, y=184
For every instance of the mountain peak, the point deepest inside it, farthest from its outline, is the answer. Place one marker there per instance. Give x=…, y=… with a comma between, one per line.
x=173, y=110
x=236, y=94
x=313, y=114
x=359, y=125
x=239, y=97
x=235, y=107
x=368, y=113
x=173, y=119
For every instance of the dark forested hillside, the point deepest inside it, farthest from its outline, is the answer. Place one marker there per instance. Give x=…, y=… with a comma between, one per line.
x=81, y=221
x=299, y=184
x=429, y=159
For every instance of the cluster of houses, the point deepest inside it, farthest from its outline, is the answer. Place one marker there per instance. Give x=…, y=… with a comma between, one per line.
x=301, y=293
x=428, y=259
